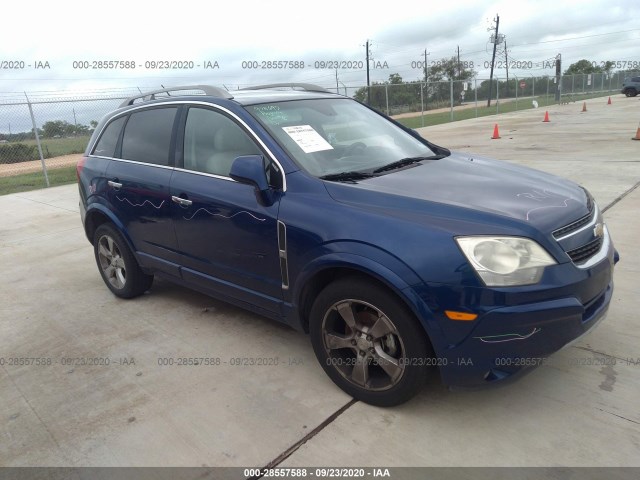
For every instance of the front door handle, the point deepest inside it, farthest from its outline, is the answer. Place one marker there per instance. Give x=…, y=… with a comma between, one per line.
x=183, y=202
x=113, y=184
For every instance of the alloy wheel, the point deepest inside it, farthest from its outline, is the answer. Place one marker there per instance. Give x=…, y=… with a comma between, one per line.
x=363, y=345
x=111, y=262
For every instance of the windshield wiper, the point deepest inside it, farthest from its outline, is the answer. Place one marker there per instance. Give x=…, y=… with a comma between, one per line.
x=406, y=161
x=346, y=176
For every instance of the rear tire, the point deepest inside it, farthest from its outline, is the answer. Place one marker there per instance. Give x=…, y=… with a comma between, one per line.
x=369, y=343
x=117, y=265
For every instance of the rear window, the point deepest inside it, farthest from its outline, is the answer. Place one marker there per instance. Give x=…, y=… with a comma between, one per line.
x=106, y=146
x=147, y=136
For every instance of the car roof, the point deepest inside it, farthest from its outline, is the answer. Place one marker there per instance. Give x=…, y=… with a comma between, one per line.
x=252, y=97
x=248, y=96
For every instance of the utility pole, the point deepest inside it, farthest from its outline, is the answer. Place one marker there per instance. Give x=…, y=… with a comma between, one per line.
x=459, y=71
x=493, y=59
x=337, y=88
x=424, y=94
x=426, y=67
x=506, y=65
x=558, y=70
x=368, y=86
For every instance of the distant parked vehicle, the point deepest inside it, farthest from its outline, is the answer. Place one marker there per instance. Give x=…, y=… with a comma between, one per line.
x=631, y=86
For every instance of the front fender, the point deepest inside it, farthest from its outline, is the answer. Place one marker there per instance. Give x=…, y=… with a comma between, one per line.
x=376, y=263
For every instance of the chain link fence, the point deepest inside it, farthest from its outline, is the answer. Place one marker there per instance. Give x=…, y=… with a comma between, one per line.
x=419, y=104
x=43, y=134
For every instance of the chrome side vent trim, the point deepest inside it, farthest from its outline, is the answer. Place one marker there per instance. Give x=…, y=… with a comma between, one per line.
x=282, y=250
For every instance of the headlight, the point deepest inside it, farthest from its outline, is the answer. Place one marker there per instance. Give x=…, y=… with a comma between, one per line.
x=505, y=261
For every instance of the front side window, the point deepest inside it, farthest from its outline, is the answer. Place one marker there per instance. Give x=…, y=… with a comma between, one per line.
x=147, y=136
x=331, y=136
x=212, y=141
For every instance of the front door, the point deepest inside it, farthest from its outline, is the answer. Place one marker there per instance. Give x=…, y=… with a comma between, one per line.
x=227, y=237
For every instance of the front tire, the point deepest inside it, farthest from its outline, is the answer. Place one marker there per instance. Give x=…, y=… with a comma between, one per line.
x=117, y=265
x=369, y=343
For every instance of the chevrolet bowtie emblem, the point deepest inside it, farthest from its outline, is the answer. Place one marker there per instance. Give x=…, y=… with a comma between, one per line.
x=598, y=230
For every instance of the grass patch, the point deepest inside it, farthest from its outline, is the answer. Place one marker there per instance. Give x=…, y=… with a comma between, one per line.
x=35, y=180
x=56, y=147
x=484, y=111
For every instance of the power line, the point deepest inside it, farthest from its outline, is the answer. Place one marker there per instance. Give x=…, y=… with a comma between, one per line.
x=578, y=38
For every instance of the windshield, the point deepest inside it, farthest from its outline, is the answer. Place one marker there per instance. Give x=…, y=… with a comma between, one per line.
x=333, y=136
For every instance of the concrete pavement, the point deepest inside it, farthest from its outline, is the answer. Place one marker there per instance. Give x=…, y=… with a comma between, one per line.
x=103, y=394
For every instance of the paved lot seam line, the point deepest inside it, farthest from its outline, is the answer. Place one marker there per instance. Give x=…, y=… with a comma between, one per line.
x=293, y=448
x=619, y=416
x=600, y=353
x=33, y=410
x=620, y=197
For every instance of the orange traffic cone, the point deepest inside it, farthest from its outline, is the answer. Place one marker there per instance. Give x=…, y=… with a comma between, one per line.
x=584, y=106
x=496, y=133
x=609, y=101
x=637, y=137
x=546, y=116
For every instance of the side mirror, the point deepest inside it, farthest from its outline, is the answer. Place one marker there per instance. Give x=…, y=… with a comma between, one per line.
x=249, y=169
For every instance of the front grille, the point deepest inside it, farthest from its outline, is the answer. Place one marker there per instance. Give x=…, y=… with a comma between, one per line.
x=585, y=252
x=581, y=230
x=578, y=224
x=572, y=227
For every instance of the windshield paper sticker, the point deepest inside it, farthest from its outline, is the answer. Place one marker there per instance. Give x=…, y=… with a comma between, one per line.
x=307, y=138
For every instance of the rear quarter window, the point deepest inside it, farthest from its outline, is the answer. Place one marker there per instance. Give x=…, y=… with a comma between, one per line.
x=147, y=136
x=106, y=146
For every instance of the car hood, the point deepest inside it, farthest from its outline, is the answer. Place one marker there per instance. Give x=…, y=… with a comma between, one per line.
x=543, y=200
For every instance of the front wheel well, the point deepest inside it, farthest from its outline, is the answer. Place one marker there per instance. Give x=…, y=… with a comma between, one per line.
x=320, y=280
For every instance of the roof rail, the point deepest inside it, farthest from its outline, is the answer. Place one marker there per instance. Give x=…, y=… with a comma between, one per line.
x=304, y=86
x=207, y=89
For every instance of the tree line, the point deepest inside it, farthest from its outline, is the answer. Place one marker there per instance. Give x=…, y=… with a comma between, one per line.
x=436, y=92
x=53, y=129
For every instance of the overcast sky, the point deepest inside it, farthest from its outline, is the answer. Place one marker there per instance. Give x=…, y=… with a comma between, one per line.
x=231, y=33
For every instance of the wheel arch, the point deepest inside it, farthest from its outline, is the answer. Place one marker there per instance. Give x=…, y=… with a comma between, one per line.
x=314, y=280
x=98, y=215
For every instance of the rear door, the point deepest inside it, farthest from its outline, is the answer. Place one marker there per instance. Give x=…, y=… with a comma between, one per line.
x=138, y=185
x=227, y=237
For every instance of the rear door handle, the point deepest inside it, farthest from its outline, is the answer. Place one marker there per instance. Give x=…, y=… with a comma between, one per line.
x=183, y=202
x=113, y=184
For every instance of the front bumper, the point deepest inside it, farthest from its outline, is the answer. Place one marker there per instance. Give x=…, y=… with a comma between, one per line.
x=538, y=330
x=518, y=331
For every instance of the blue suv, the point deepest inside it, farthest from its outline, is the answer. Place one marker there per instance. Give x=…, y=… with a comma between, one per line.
x=400, y=258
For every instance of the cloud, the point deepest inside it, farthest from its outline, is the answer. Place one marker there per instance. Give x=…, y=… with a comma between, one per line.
x=293, y=30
